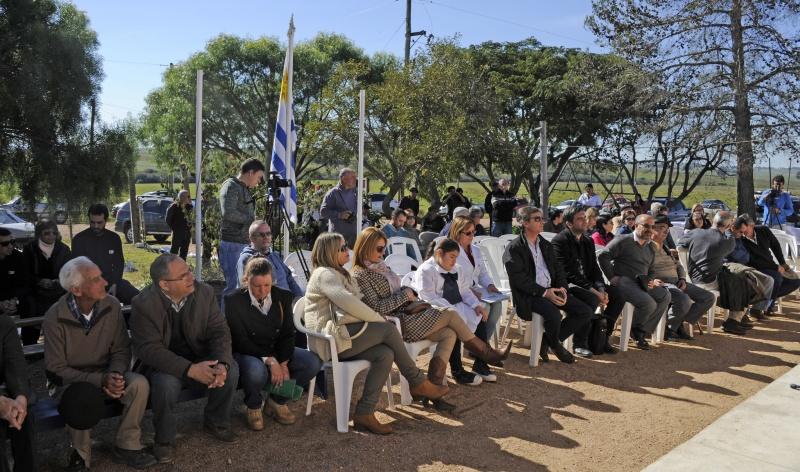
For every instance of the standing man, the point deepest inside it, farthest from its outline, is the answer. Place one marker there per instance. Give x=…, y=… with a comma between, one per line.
x=88, y=343
x=576, y=254
x=261, y=246
x=238, y=210
x=590, y=199
x=627, y=262
x=776, y=203
x=538, y=285
x=339, y=207
x=503, y=204
x=454, y=200
x=179, y=221
x=104, y=248
x=183, y=341
x=689, y=302
x=410, y=202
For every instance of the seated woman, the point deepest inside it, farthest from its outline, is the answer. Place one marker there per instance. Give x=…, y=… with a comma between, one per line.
x=697, y=219
x=591, y=219
x=262, y=333
x=476, y=215
x=470, y=258
x=334, y=307
x=445, y=284
x=44, y=258
x=603, y=230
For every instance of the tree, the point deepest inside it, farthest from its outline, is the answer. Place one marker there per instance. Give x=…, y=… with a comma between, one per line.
x=736, y=60
x=240, y=100
x=49, y=69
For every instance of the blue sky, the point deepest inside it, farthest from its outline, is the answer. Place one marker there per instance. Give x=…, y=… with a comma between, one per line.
x=138, y=39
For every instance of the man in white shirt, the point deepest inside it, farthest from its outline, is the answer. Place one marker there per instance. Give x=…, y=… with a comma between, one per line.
x=589, y=198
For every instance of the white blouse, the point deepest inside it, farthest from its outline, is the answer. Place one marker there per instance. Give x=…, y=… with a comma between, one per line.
x=429, y=284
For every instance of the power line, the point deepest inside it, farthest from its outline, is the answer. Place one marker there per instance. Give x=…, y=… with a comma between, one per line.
x=402, y=22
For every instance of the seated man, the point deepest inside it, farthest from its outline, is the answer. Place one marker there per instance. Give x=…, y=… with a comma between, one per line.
x=14, y=277
x=14, y=421
x=396, y=227
x=183, y=341
x=261, y=246
x=764, y=248
x=737, y=262
x=707, y=250
x=689, y=302
x=263, y=336
x=460, y=211
x=104, y=248
x=86, y=341
x=627, y=262
x=575, y=252
x=538, y=285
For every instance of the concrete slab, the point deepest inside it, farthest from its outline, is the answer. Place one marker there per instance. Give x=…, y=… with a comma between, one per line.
x=761, y=433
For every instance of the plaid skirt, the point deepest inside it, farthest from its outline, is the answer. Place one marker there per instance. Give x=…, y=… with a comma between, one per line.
x=417, y=326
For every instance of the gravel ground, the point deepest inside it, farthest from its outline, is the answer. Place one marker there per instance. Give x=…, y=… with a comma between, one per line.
x=615, y=413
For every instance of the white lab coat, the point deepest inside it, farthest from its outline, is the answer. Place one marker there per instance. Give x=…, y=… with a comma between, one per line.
x=480, y=276
x=429, y=285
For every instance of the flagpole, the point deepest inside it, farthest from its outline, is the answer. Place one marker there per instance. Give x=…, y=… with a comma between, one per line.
x=289, y=132
x=198, y=170
x=362, y=98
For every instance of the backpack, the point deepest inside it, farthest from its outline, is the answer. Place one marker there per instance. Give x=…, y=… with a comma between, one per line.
x=598, y=335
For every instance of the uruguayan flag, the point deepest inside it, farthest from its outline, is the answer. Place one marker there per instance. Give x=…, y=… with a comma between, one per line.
x=282, y=159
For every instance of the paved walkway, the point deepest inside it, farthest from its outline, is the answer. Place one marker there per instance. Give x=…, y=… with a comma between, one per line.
x=762, y=433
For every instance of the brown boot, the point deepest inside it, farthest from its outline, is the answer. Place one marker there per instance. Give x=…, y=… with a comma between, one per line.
x=437, y=369
x=429, y=390
x=371, y=424
x=484, y=352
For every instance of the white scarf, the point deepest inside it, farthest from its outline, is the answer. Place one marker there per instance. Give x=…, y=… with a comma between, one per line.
x=47, y=249
x=384, y=270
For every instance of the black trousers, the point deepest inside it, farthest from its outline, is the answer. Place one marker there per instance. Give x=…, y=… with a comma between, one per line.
x=556, y=329
x=21, y=446
x=180, y=244
x=455, y=355
x=615, y=305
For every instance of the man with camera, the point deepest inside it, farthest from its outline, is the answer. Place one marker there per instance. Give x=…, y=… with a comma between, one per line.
x=339, y=207
x=776, y=203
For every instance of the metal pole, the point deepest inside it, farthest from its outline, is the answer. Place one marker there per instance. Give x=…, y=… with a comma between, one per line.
x=362, y=99
x=544, y=185
x=198, y=166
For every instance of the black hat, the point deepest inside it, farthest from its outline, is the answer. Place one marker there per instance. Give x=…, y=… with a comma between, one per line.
x=82, y=405
x=663, y=220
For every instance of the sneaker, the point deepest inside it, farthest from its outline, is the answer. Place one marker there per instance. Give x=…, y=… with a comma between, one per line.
x=732, y=326
x=136, y=459
x=484, y=372
x=583, y=352
x=468, y=378
x=255, y=419
x=163, y=453
x=220, y=433
x=279, y=412
x=76, y=463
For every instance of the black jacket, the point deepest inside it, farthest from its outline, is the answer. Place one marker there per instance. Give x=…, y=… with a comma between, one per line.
x=503, y=204
x=176, y=219
x=410, y=203
x=13, y=368
x=578, y=259
x=14, y=277
x=762, y=250
x=104, y=250
x=256, y=335
x=522, y=273
x=40, y=268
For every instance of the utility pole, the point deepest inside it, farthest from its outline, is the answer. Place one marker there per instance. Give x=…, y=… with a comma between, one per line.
x=409, y=33
x=544, y=184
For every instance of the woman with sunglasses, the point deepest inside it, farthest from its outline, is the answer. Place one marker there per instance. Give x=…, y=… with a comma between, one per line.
x=334, y=307
x=628, y=222
x=44, y=258
x=697, y=219
x=470, y=258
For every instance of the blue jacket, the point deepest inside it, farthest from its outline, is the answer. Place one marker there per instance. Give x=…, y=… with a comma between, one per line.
x=281, y=274
x=784, y=205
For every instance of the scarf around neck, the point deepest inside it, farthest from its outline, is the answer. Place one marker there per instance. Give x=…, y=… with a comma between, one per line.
x=384, y=270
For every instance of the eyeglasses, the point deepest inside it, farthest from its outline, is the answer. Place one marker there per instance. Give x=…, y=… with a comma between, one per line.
x=380, y=249
x=185, y=276
x=343, y=248
x=537, y=219
x=263, y=235
x=6, y=243
x=468, y=233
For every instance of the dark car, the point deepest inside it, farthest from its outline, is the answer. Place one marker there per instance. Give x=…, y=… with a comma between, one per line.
x=154, y=212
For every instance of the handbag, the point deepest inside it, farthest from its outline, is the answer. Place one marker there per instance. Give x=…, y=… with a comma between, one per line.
x=416, y=307
x=598, y=334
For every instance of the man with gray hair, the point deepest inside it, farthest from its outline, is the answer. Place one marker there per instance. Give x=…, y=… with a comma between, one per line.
x=260, y=246
x=178, y=219
x=86, y=342
x=339, y=207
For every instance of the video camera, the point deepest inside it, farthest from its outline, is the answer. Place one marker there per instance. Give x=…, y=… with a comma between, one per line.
x=275, y=183
x=772, y=197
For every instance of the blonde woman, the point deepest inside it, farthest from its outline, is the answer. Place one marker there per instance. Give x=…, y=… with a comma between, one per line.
x=334, y=306
x=591, y=217
x=616, y=224
x=470, y=258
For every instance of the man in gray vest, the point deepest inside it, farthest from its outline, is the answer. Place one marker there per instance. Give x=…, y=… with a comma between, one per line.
x=339, y=207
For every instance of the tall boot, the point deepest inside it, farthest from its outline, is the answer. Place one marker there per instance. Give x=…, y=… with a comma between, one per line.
x=437, y=370
x=484, y=352
x=428, y=390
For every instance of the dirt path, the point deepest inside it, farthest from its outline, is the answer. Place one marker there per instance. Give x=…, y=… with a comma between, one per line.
x=616, y=413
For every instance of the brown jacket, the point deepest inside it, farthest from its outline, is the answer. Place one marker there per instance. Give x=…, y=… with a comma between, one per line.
x=75, y=354
x=204, y=327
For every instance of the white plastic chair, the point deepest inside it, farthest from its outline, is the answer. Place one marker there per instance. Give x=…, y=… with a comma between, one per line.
x=548, y=236
x=425, y=239
x=414, y=349
x=788, y=247
x=683, y=257
x=344, y=373
x=293, y=262
x=508, y=237
x=478, y=239
x=401, y=264
x=492, y=250
x=400, y=245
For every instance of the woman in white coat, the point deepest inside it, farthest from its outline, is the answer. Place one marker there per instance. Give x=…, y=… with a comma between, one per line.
x=443, y=283
x=462, y=231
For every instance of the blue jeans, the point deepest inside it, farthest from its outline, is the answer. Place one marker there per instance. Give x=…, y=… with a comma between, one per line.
x=500, y=228
x=303, y=366
x=228, y=258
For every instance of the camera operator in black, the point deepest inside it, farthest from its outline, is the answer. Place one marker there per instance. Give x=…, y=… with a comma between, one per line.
x=776, y=203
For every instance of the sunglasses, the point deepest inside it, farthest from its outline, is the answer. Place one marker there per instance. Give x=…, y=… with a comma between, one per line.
x=343, y=248
x=263, y=235
x=380, y=249
x=6, y=243
x=537, y=219
x=468, y=233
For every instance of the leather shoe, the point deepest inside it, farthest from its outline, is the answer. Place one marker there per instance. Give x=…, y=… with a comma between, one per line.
x=732, y=326
x=163, y=453
x=220, y=433
x=583, y=352
x=255, y=419
x=682, y=334
x=543, y=353
x=746, y=322
x=562, y=354
x=670, y=335
x=135, y=459
x=429, y=390
x=279, y=412
x=371, y=424
x=758, y=314
x=642, y=344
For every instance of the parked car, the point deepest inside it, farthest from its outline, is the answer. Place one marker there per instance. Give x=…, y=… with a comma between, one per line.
x=21, y=230
x=376, y=202
x=57, y=213
x=677, y=210
x=716, y=205
x=566, y=204
x=620, y=200
x=154, y=212
x=159, y=193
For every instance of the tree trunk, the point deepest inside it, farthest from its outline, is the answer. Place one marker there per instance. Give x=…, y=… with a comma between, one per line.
x=743, y=130
x=134, y=207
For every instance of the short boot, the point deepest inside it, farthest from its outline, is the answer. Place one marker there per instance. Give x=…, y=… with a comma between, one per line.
x=371, y=424
x=428, y=390
x=485, y=353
